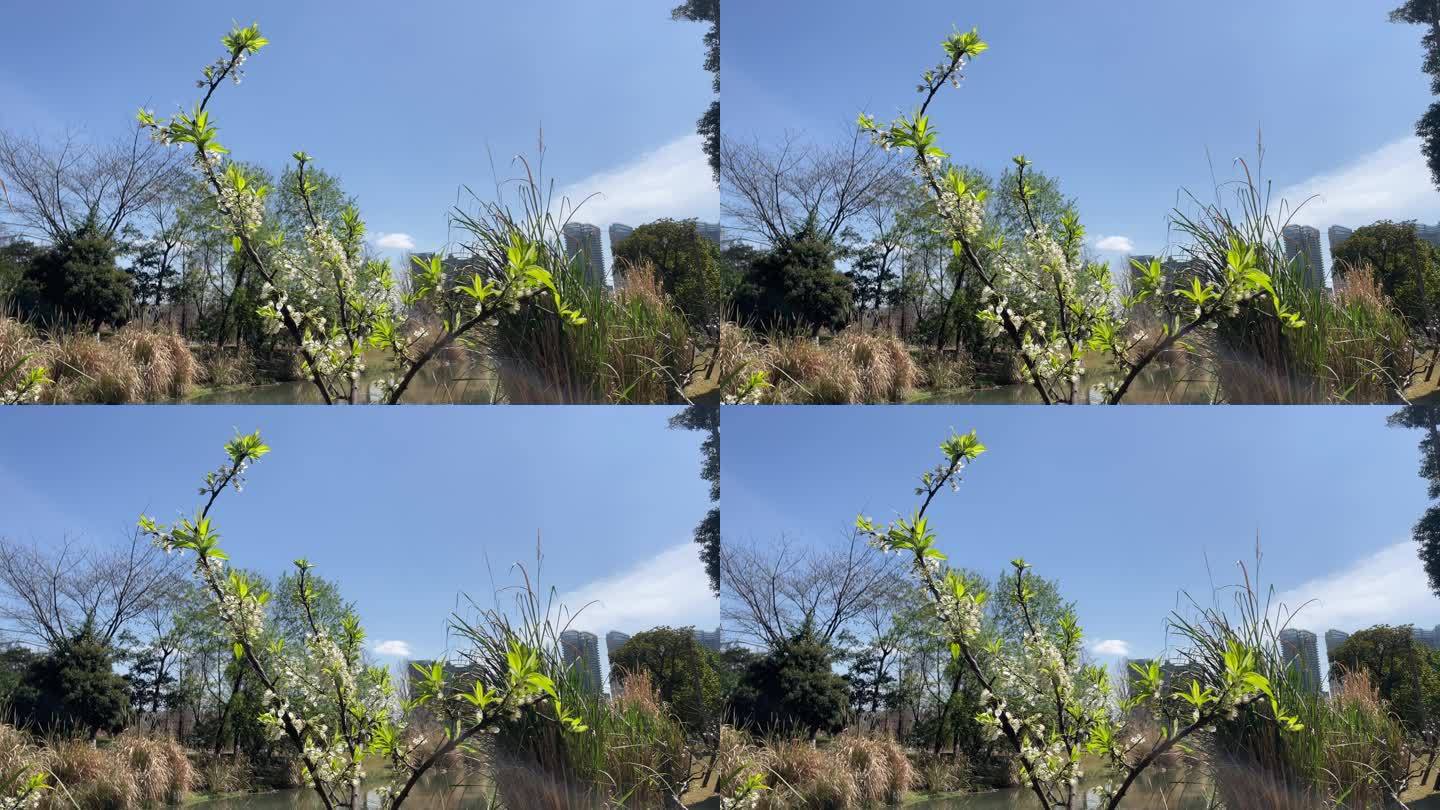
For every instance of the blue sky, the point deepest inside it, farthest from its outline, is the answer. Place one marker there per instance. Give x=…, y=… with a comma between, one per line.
x=403, y=507
x=1123, y=507
x=1120, y=100
x=405, y=102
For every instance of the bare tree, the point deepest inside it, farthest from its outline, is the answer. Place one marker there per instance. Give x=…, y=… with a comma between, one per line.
x=48, y=595
x=769, y=592
x=771, y=193
x=54, y=189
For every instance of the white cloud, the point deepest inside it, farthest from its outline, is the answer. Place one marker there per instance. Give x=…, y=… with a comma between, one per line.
x=1388, y=587
x=670, y=588
x=672, y=181
x=1392, y=182
x=394, y=241
x=1115, y=244
x=394, y=647
x=1111, y=646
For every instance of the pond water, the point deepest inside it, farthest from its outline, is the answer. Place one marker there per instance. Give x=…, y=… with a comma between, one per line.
x=434, y=793
x=1159, y=791
x=1156, y=385
x=440, y=384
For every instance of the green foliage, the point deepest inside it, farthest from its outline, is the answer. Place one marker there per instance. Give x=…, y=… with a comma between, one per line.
x=795, y=285
x=706, y=417
x=792, y=688
x=76, y=281
x=1404, y=672
x=707, y=11
x=686, y=264
x=1407, y=267
x=682, y=672
x=73, y=687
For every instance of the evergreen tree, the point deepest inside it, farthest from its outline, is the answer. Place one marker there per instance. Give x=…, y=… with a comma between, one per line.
x=74, y=687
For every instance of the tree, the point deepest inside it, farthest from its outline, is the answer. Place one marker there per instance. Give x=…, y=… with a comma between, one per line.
x=792, y=687
x=682, y=671
x=1404, y=672
x=50, y=595
x=55, y=190
x=334, y=302
x=1427, y=13
x=1427, y=529
x=706, y=417
x=687, y=265
x=777, y=195
x=77, y=280
x=707, y=11
x=1406, y=266
x=796, y=285
x=1041, y=292
x=15, y=260
x=1047, y=671
x=73, y=686
x=776, y=591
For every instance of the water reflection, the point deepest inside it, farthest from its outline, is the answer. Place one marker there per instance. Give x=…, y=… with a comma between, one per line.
x=1155, y=386
x=434, y=793
x=457, y=384
x=1158, y=791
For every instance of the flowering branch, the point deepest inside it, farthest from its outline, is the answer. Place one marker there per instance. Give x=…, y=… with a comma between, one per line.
x=328, y=680
x=19, y=386
x=1049, y=705
x=334, y=303
x=1049, y=303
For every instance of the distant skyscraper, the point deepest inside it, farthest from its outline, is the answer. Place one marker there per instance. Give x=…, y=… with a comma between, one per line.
x=1304, y=241
x=709, y=639
x=1299, y=650
x=1339, y=235
x=583, y=239
x=618, y=234
x=1430, y=233
x=709, y=230
x=614, y=640
x=1430, y=638
x=1334, y=640
x=581, y=653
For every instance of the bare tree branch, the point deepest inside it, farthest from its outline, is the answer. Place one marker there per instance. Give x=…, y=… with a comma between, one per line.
x=49, y=594
x=770, y=193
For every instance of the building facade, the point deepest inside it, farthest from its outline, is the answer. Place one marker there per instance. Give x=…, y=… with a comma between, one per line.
x=581, y=653
x=583, y=240
x=1303, y=242
x=1300, y=651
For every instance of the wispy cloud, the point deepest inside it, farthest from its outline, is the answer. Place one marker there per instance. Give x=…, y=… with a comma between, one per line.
x=1111, y=647
x=672, y=181
x=668, y=589
x=393, y=241
x=1115, y=244
x=1388, y=587
x=393, y=647
x=1392, y=182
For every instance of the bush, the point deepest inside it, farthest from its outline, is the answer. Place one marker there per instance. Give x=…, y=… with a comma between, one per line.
x=854, y=368
x=637, y=347
x=852, y=771
x=136, y=364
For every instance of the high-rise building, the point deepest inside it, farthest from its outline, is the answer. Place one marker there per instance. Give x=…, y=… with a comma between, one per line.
x=618, y=234
x=1430, y=233
x=1334, y=640
x=1430, y=638
x=614, y=640
x=583, y=240
x=1299, y=650
x=709, y=230
x=1303, y=241
x=581, y=652
x=1339, y=235
x=709, y=639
